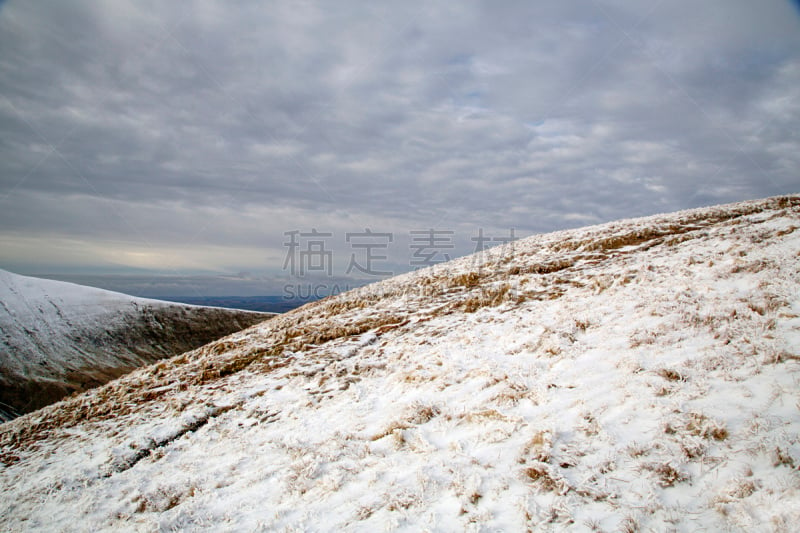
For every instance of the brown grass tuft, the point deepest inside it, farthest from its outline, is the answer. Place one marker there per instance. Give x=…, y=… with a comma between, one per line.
x=541, y=475
x=468, y=280
x=667, y=474
x=538, y=447
x=487, y=297
x=702, y=426
x=670, y=374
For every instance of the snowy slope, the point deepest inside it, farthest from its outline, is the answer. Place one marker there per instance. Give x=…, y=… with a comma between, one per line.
x=639, y=375
x=56, y=337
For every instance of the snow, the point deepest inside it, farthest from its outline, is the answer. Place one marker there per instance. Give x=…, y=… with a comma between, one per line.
x=51, y=310
x=57, y=336
x=639, y=375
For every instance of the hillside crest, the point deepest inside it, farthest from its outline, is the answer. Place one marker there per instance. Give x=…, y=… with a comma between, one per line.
x=640, y=374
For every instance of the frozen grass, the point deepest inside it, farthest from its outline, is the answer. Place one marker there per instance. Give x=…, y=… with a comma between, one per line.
x=640, y=375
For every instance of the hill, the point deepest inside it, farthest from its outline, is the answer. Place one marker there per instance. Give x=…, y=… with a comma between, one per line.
x=264, y=304
x=57, y=338
x=637, y=375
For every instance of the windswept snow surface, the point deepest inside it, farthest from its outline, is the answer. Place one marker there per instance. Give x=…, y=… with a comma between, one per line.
x=56, y=337
x=639, y=375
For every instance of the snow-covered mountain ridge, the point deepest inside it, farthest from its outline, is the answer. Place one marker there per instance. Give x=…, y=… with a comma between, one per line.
x=637, y=375
x=57, y=337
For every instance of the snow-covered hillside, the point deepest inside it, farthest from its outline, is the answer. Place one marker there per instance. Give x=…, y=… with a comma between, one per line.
x=639, y=375
x=57, y=338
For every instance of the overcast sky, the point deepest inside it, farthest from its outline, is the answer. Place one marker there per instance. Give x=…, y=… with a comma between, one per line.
x=186, y=138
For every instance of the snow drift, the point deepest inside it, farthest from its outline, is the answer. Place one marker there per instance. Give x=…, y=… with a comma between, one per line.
x=638, y=375
x=57, y=338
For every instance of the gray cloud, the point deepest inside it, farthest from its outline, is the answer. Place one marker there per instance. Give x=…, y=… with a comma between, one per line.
x=200, y=133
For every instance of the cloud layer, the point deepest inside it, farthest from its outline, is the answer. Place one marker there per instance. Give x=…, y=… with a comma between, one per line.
x=192, y=136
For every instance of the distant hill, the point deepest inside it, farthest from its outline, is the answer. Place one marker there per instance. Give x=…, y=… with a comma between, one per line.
x=640, y=375
x=57, y=338
x=264, y=304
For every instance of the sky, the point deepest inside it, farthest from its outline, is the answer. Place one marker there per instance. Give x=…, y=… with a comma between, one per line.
x=192, y=147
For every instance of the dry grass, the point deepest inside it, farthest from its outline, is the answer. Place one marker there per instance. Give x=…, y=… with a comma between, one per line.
x=637, y=450
x=489, y=297
x=468, y=280
x=403, y=501
x=477, y=417
x=667, y=474
x=787, y=231
x=582, y=325
x=336, y=331
x=752, y=266
x=543, y=477
x=702, y=426
x=390, y=429
x=538, y=448
x=8, y=458
x=781, y=457
x=628, y=525
x=214, y=370
x=417, y=414
x=163, y=499
x=693, y=448
x=674, y=232
x=637, y=237
x=737, y=489
x=512, y=393
x=670, y=374
x=336, y=317
x=699, y=425
x=423, y=414
x=551, y=267
x=602, y=282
